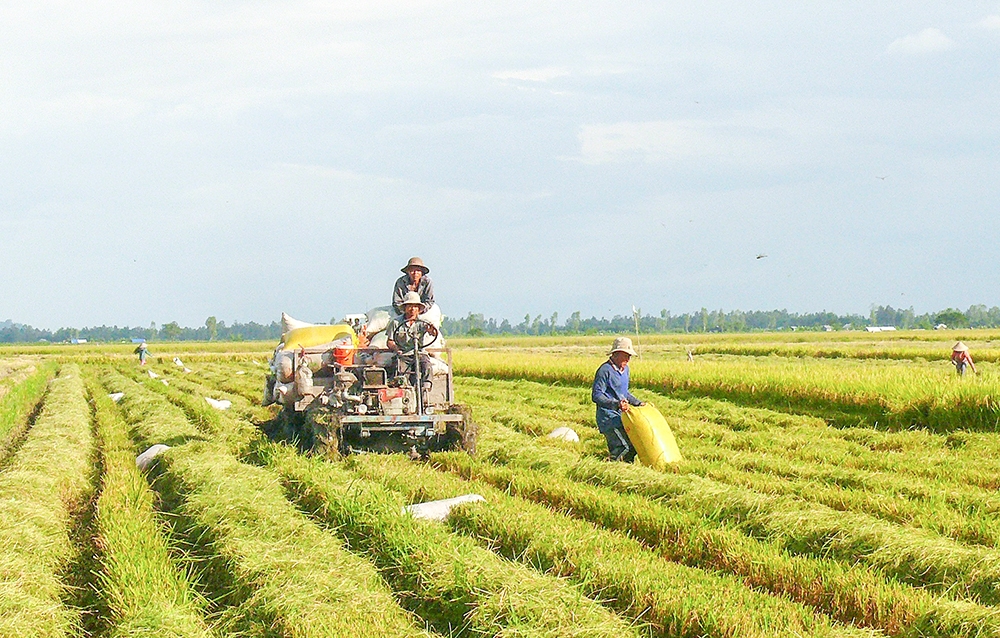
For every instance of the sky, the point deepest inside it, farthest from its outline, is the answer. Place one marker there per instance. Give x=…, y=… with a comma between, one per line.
x=170, y=161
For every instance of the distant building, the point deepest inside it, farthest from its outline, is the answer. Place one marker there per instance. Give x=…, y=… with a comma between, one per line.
x=77, y=341
x=940, y=326
x=881, y=328
x=827, y=328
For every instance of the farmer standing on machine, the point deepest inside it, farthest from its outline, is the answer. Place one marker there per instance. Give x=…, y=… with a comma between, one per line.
x=415, y=280
x=960, y=358
x=610, y=393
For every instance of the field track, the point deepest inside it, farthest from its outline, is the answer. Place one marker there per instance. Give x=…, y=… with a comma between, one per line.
x=792, y=514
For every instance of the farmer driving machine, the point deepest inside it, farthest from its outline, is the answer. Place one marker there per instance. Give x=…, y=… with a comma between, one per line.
x=341, y=395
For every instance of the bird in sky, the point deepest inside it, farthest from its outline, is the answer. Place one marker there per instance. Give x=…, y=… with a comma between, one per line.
x=761, y=256
x=881, y=177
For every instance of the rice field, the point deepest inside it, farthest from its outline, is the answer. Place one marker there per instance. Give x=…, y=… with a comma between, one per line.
x=832, y=486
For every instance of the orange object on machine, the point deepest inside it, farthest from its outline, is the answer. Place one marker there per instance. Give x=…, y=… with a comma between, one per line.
x=343, y=354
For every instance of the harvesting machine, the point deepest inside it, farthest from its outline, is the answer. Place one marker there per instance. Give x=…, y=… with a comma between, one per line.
x=342, y=395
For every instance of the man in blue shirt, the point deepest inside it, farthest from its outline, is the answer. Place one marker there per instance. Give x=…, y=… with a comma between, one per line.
x=610, y=393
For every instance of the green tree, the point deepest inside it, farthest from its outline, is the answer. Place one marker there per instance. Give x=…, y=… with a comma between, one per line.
x=952, y=318
x=171, y=331
x=213, y=327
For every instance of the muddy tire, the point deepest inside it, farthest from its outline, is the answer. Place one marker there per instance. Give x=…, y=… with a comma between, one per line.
x=290, y=425
x=324, y=436
x=269, y=389
x=462, y=436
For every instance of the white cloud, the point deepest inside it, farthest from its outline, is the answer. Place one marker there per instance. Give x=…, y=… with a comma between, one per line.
x=682, y=140
x=990, y=22
x=543, y=74
x=927, y=41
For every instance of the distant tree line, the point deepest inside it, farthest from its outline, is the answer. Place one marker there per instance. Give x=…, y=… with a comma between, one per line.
x=213, y=330
x=474, y=324
x=978, y=316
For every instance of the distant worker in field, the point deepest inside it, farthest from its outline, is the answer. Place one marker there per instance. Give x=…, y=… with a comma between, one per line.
x=960, y=358
x=143, y=351
x=415, y=280
x=610, y=393
x=397, y=329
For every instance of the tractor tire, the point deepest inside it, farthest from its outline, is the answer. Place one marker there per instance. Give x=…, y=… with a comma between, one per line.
x=324, y=435
x=462, y=436
x=290, y=425
x=269, y=389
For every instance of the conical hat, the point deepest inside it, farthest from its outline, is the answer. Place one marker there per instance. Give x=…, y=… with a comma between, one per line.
x=960, y=347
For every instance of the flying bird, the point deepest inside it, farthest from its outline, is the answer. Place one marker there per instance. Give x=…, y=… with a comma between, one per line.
x=761, y=256
x=881, y=177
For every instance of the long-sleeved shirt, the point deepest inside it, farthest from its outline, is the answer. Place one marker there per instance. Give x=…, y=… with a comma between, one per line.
x=425, y=289
x=610, y=387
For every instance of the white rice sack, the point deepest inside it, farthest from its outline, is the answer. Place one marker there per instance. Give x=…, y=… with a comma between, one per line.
x=283, y=366
x=152, y=375
x=432, y=316
x=116, y=396
x=145, y=460
x=282, y=391
x=565, y=434
x=379, y=341
x=219, y=404
x=377, y=319
x=178, y=362
x=288, y=324
x=438, y=366
x=439, y=510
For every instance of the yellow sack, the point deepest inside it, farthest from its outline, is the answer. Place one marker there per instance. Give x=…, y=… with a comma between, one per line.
x=311, y=336
x=651, y=436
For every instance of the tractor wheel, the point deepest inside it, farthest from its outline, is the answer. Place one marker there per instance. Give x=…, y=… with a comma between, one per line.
x=462, y=435
x=324, y=434
x=290, y=425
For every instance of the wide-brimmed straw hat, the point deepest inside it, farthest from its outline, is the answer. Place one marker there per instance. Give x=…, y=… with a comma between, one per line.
x=412, y=299
x=622, y=344
x=960, y=347
x=418, y=262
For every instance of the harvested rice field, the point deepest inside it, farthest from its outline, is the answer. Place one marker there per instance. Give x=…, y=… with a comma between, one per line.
x=832, y=485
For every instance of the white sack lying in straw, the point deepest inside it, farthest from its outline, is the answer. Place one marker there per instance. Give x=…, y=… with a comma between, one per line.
x=219, y=404
x=439, y=510
x=565, y=434
x=144, y=460
x=116, y=396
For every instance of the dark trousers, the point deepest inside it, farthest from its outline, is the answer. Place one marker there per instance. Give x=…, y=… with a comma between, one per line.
x=406, y=366
x=619, y=447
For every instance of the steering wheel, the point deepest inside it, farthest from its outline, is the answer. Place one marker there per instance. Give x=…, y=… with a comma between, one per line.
x=417, y=332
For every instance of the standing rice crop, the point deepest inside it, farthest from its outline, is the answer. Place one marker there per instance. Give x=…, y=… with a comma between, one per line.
x=848, y=393
x=41, y=491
